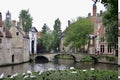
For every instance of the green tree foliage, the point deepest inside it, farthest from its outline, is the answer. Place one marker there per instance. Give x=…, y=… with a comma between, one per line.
x=110, y=21
x=57, y=34
x=45, y=29
x=26, y=20
x=46, y=38
x=78, y=33
x=8, y=24
x=47, y=41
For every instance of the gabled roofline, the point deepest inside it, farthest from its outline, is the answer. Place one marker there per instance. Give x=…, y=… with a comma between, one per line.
x=34, y=29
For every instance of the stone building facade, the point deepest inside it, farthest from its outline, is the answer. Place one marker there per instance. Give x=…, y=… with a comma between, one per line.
x=14, y=44
x=98, y=43
x=5, y=44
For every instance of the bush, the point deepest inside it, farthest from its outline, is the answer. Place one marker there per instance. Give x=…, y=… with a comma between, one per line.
x=72, y=75
x=87, y=59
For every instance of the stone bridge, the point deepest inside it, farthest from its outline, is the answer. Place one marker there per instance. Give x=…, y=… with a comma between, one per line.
x=50, y=56
x=76, y=56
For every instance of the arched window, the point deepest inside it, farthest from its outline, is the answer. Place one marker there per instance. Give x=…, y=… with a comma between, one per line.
x=13, y=58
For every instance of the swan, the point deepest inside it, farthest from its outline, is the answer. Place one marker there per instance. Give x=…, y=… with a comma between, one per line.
x=2, y=76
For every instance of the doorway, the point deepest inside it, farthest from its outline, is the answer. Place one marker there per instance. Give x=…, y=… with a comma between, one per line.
x=32, y=47
x=13, y=58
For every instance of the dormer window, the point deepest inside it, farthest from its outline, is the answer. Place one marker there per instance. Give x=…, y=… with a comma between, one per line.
x=17, y=33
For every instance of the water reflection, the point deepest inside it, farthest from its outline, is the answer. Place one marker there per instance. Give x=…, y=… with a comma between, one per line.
x=62, y=65
x=9, y=70
x=119, y=71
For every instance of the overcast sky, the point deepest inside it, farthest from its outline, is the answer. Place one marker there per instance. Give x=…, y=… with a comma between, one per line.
x=47, y=11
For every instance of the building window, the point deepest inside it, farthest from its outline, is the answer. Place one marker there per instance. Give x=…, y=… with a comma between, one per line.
x=109, y=49
x=102, y=48
x=0, y=40
x=17, y=33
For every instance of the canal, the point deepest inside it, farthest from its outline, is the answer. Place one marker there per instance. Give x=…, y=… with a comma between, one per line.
x=61, y=64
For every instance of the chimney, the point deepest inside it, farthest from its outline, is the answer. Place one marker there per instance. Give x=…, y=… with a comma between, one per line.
x=20, y=23
x=89, y=14
x=94, y=9
x=1, y=23
x=13, y=23
x=69, y=22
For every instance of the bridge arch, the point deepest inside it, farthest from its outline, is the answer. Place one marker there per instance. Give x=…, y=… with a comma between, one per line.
x=95, y=59
x=51, y=57
x=40, y=59
x=74, y=58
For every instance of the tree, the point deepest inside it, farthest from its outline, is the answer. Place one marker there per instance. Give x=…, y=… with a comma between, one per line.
x=78, y=33
x=26, y=20
x=45, y=29
x=8, y=23
x=46, y=38
x=47, y=41
x=57, y=34
x=110, y=20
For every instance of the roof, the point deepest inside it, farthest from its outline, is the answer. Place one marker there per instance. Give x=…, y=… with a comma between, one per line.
x=22, y=32
x=33, y=29
x=26, y=36
x=101, y=30
x=39, y=34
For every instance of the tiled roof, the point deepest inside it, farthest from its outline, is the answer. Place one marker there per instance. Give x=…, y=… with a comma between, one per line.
x=26, y=36
x=101, y=30
x=22, y=32
x=39, y=34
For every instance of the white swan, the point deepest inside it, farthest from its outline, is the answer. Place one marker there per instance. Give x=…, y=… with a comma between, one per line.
x=2, y=76
x=72, y=68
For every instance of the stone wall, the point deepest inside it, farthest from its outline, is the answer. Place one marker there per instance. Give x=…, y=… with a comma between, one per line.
x=26, y=56
x=5, y=51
